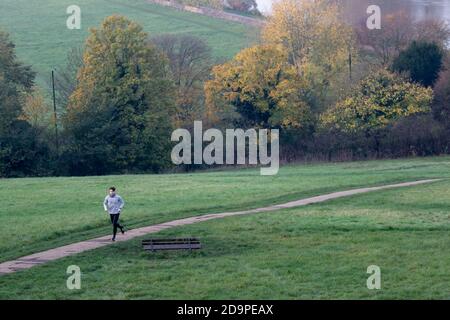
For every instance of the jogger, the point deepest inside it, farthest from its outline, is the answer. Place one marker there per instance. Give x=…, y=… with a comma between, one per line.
x=113, y=204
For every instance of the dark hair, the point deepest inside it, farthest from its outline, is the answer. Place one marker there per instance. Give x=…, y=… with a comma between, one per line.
x=112, y=188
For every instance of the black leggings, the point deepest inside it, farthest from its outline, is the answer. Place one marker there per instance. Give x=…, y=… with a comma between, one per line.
x=115, y=223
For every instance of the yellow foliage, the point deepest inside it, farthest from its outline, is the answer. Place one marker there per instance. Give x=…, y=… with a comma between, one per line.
x=379, y=100
x=305, y=45
x=35, y=110
x=313, y=33
x=259, y=81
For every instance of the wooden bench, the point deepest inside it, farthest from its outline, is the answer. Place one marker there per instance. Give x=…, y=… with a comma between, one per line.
x=171, y=244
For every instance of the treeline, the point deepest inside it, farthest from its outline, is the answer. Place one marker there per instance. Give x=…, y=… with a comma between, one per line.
x=339, y=92
x=334, y=91
x=122, y=95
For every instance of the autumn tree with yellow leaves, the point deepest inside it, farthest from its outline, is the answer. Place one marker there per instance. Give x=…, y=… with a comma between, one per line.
x=261, y=85
x=283, y=81
x=379, y=100
x=313, y=33
x=36, y=111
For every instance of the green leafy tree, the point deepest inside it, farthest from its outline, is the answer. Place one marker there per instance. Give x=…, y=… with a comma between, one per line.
x=20, y=152
x=15, y=79
x=422, y=61
x=119, y=116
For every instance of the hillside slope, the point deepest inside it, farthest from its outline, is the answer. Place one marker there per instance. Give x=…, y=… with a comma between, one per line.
x=39, y=30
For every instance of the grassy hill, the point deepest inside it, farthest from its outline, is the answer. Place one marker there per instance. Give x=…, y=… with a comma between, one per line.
x=318, y=251
x=39, y=29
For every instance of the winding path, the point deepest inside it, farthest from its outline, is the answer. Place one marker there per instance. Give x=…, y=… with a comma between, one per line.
x=71, y=249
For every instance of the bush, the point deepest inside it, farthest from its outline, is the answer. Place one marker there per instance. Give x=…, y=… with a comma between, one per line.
x=422, y=61
x=441, y=103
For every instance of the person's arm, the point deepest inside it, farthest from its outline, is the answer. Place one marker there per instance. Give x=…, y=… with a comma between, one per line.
x=122, y=203
x=105, y=204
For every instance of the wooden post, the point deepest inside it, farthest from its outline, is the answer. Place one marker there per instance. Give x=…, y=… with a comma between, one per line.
x=54, y=113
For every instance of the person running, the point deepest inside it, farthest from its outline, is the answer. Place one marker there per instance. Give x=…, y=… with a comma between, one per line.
x=113, y=204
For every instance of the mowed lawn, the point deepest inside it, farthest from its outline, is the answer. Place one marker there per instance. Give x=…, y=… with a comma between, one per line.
x=43, y=213
x=320, y=251
x=39, y=30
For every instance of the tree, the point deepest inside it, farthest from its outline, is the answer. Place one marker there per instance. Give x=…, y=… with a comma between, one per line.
x=260, y=85
x=398, y=30
x=36, y=110
x=434, y=31
x=190, y=61
x=66, y=76
x=313, y=33
x=441, y=103
x=20, y=152
x=396, y=33
x=318, y=42
x=379, y=100
x=119, y=116
x=15, y=79
x=422, y=61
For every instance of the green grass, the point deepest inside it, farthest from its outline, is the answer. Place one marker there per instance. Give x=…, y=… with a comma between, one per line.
x=39, y=30
x=320, y=251
x=43, y=213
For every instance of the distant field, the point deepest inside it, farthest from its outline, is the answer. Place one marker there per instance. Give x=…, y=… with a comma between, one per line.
x=39, y=29
x=320, y=251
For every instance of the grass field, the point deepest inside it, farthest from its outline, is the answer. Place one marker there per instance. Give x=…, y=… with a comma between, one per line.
x=318, y=251
x=39, y=30
x=41, y=213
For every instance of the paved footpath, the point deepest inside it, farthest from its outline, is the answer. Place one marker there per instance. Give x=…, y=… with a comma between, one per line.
x=74, y=248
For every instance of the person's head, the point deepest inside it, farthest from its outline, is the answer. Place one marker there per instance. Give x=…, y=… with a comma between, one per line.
x=112, y=191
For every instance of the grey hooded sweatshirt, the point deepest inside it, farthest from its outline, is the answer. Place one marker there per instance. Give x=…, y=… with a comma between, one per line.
x=113, y=204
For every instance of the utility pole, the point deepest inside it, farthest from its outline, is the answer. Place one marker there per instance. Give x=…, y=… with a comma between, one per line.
x=350, y=62
x=54, y=113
